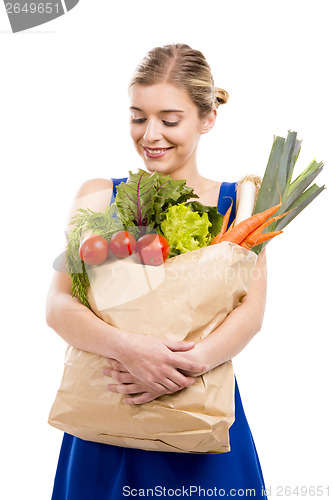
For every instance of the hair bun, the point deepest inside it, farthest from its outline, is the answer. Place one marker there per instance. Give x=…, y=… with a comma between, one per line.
x=221, y=96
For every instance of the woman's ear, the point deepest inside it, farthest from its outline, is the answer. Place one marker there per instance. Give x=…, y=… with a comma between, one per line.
x=208, y=121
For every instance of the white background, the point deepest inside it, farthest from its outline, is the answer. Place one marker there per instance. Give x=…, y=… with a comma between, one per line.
x=64, y=119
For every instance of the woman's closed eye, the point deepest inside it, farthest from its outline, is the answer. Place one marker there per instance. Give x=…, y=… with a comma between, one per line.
x=138, y=120
x=168, y=124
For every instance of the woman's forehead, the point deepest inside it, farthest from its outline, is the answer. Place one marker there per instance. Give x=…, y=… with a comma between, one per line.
x=164, y=97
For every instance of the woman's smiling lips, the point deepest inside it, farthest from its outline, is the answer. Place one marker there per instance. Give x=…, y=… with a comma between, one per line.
x=156, y=152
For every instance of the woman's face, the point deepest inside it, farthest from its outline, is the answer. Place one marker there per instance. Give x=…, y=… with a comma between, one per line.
x=165, y=128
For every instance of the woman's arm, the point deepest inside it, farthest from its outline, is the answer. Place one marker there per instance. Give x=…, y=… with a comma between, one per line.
x=224, y=343
x=154, y=362
x=240, y=326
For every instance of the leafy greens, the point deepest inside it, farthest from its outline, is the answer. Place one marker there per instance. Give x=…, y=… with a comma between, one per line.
x=185, y=230
x=145, y=203
x=145, y=198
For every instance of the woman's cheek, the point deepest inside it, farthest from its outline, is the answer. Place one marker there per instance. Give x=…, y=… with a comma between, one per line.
x=133, y=134
x=135, y=138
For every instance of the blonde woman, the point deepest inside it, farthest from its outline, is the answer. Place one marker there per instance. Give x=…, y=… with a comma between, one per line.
x=173, y=102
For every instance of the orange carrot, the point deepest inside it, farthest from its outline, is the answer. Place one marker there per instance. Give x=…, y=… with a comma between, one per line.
x=232, y=225
x=245, y=245
x=267, y=236
x=224, y=226
x=240, y=232
x=262, y=237
x=225, y=221
x=251, y=239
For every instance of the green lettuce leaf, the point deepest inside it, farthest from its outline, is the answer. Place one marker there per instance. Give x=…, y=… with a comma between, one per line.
x=214, y=216
x=184, y=229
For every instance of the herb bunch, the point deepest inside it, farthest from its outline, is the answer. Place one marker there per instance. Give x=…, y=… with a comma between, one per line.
x=104, y=224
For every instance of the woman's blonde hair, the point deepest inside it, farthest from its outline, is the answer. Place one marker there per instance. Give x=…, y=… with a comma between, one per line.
x=181, y=65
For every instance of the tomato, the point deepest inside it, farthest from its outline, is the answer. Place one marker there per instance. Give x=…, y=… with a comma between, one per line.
x=94, y=250
x=152, y=249
x=122, y=244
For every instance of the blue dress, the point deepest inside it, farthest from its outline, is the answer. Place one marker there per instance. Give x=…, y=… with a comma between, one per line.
x=95, y=471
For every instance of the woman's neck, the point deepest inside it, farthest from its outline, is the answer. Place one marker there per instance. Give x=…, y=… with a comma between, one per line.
x=189, y=172
x=207, y=189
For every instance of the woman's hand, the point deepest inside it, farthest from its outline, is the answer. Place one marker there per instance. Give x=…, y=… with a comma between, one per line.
x=158, y=363
x=196, y=355
x=128, y=384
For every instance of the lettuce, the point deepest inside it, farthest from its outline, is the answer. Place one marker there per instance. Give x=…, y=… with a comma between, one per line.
x=184, y=229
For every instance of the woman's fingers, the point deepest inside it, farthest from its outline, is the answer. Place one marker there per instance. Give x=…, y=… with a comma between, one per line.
x=122, y=377
x=128, y=378
x=158, y=363
x=169, y=377
x=130, y=385
x=125, y=388
x=175, y=345
x=116, y=365
x=170, y=380
x=190, y=365
x=149, y=395
x=145, y=397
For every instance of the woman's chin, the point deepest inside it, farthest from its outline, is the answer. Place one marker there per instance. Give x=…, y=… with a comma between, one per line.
x=157, y=167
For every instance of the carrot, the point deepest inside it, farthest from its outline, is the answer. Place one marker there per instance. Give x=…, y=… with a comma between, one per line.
x=267, y=236
x=245, y=245
x=241, y=231
x=224, y=226
x=232, y=225
x=262, y=237
x=226, y=220
x=251, y=239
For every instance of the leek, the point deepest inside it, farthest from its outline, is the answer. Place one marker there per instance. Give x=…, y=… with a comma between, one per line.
x=277, y=183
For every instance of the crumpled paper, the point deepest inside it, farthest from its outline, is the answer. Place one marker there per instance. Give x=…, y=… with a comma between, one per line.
x=186, y=298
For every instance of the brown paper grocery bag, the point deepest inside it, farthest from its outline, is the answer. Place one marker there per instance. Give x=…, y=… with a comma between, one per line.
x=185, y=299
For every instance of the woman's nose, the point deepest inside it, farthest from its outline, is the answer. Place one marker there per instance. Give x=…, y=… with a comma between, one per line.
x=153, y=131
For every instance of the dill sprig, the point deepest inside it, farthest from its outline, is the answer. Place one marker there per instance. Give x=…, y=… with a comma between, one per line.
x=104, y=224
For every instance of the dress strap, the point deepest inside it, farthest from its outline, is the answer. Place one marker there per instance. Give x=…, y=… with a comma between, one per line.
x=227, y=191
x=115, y=184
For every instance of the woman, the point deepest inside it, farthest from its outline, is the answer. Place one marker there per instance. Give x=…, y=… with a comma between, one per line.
x=173, y=102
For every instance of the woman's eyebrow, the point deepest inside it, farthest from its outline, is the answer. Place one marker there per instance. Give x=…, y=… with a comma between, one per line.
x=162, y=110
x=172, y=111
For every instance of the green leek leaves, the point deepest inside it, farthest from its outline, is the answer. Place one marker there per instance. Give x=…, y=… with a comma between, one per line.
x=277, y=181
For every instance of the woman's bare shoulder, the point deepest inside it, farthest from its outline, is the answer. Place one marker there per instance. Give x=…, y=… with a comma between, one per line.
x=94, y=185
x=94, y=194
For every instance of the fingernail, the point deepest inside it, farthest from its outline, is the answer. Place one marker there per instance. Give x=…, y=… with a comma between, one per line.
x=105, y=372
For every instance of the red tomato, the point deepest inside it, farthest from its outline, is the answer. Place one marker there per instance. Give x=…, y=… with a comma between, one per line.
x=122, y=244
x=94, y=250
x=152, y=249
